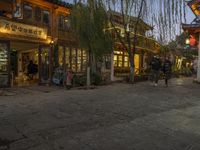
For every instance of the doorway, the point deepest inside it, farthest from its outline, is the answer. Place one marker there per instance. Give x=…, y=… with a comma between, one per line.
x=45, y=64
x=22, y=53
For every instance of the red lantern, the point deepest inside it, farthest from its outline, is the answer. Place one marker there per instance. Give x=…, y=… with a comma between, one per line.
x=192, y=40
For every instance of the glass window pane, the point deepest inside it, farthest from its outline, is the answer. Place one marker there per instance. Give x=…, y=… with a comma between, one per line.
x=126, y=61
x=67, y=57
x=115, y=57
x=125, y=64
x=126, y=58
x=84, y=59
x=120, y=64
x=46, y=17
x=38, y=14
x=79, y=60
x=74, y=60
x=137, y=62
x=115, y=63
x=27, y=12
x=120, y=58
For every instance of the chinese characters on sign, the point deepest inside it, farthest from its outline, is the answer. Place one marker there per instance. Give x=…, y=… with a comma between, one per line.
x=14, y=28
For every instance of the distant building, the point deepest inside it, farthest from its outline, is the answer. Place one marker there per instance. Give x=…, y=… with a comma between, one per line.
x=194, y=29
x=145, y=47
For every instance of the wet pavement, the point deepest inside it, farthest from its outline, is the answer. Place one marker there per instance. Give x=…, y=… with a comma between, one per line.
x=115, y=117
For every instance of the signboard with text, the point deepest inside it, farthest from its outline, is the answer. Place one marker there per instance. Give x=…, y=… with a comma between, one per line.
x=14, y=28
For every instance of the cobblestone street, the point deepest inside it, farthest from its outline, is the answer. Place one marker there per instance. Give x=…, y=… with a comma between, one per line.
x=114, y=117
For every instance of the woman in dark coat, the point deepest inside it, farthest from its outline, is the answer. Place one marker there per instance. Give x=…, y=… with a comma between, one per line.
x=167, y=70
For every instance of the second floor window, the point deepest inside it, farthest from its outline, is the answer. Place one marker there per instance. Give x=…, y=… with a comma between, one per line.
x=38, y=14
x=28, y=10
x=46, y=17
x=64, y=23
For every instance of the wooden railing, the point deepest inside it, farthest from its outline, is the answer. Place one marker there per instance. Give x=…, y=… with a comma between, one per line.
x=149, y=44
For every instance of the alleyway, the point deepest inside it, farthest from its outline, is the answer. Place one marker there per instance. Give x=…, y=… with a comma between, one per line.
x=114, y=117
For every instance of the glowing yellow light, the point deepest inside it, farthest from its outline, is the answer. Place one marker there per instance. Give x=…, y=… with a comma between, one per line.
x=187, y=41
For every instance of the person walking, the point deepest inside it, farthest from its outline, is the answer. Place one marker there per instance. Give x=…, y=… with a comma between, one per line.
x=167, y=70
x=155, y=69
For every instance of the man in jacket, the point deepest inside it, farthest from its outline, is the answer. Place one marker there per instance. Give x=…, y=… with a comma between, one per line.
x=167, y=70
x=155, y=69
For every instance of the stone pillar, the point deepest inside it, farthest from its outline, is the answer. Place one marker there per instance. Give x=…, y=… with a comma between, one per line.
x=198, y=66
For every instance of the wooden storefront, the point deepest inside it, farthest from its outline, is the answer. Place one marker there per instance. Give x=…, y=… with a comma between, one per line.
x=36, y=30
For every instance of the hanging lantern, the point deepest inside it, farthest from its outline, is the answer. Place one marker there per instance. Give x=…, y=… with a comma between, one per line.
x=192, y=40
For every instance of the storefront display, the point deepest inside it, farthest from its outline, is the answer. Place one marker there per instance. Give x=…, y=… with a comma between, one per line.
x=4, y=72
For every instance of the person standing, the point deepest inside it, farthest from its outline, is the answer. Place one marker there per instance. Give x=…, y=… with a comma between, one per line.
x=155, y=69
x=167, y=70
x=30, y=70
x=68, y=79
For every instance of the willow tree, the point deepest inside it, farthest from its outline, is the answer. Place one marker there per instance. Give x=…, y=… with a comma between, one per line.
x=164, y=15
x=88, y=22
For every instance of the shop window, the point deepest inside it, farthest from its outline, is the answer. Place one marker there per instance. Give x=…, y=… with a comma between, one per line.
x=126, y=61
x=84, y=60
x=74, y=60
x=28, y=10
x=3, y=65
x=115, y=60
x=67, y=57
x=46, y=17
x=137, y=63
x=60, y=55
x=79, y=60
x=38, y=14
x=3, y=58
x=120, y=58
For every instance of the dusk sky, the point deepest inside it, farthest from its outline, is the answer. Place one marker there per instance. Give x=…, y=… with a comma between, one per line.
x=190, y=15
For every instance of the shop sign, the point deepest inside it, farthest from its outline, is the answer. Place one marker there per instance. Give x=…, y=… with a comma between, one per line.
x=20, y=29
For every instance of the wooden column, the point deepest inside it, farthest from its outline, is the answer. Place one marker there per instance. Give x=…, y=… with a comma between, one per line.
x=198, y=68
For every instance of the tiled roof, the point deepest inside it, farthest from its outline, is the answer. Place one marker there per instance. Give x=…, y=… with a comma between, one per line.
x=191, y=25
x=60, y=3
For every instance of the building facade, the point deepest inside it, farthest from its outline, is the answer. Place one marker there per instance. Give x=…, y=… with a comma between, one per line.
x=37, y=31
x=194, y=30
x=145, y=48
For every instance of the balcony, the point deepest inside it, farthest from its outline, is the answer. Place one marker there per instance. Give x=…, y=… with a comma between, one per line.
x=146, y=43
x=143, y=43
